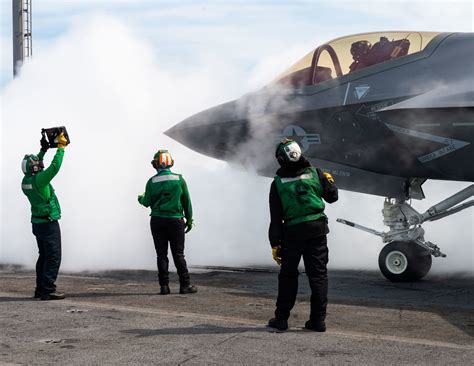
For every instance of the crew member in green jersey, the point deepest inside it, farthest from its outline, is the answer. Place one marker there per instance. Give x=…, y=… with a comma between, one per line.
x=45, y=213
x=168, y=197
x=298, y=229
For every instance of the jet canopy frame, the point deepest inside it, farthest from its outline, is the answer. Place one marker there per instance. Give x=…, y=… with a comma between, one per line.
x=350, y=54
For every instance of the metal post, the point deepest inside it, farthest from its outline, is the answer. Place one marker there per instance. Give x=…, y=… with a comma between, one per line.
x=27, y=27
x=17, y=21
x=22, y=32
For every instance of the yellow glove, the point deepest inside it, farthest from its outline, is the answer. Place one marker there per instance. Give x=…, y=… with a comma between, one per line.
x=62, y=140
x=276, y=254
x=329, y=177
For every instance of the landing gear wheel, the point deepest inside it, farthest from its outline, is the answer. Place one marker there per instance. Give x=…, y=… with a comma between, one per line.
x=404, y=261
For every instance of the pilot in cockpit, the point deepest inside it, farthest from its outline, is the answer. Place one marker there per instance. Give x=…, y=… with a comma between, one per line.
x=364, y=54
x=360, y=52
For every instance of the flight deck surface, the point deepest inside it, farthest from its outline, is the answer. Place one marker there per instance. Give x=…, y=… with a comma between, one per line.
x=117, y=317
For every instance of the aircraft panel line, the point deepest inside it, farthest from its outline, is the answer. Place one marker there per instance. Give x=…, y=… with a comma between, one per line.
x=347, y=92
x=459, y=124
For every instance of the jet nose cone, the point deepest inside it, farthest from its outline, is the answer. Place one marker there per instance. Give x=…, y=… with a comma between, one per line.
x=215, y=132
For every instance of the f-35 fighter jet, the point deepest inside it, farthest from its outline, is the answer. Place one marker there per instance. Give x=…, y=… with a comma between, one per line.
x=382, y=112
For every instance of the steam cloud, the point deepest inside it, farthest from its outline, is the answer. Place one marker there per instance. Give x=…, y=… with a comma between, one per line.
x=116, y=99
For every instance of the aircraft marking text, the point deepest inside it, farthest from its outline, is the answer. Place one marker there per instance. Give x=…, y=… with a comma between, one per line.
x=371, y=110
x=452, y=144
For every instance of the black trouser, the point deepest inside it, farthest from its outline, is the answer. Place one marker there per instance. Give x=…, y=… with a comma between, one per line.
x=48, y=237
x=166, y=230
x=315, y=257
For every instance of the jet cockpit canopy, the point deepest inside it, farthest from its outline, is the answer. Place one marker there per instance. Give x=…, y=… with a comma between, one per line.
x=345, y=55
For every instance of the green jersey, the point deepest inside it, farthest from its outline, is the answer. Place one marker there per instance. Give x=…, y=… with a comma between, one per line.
x=301, y=197
x=39, y=191
x=168, y=196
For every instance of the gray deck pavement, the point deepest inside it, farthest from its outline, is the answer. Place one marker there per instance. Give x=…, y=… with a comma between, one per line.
x=118, y=318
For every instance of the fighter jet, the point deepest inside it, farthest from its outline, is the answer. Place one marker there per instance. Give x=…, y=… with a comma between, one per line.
x=382, y=112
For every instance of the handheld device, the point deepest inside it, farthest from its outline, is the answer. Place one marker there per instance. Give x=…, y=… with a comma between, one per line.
x=52, y=133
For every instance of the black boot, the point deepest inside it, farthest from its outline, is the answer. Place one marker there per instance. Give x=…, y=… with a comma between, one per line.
x=164, y=290
x=280, y=324
x=316, y=325
x=53, y=296
x=188, y=289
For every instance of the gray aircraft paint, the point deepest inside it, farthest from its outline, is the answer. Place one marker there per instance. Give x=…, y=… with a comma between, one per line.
x=351, y=114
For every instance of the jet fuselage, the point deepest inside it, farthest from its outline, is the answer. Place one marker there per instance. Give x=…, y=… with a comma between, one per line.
x=373, y=128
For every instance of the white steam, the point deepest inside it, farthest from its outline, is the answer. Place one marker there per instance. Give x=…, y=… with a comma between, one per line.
x=116, y=99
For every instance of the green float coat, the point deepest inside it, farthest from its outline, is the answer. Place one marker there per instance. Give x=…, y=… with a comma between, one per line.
x=44, y=203
x=301, y=197
x=167, y=195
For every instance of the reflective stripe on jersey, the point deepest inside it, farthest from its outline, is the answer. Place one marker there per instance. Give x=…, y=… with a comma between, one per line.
x=163, y=178
x=303, y=176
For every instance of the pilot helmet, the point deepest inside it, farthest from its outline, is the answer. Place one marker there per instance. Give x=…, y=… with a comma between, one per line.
x=359, y=49
x=31, y=164
x=162, y=160
x=288, y=151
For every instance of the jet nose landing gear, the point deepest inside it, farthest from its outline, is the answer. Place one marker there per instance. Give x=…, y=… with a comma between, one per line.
x=402, y=261
x=407, y=256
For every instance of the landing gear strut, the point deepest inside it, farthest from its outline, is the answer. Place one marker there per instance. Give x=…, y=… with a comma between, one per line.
x=407, y=256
